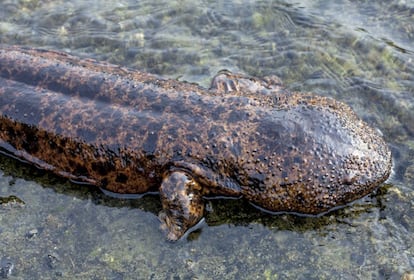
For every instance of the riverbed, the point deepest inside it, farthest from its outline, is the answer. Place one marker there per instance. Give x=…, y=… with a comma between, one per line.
x=359, y=52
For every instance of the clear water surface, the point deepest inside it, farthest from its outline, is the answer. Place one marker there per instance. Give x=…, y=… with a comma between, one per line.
x=359, y=52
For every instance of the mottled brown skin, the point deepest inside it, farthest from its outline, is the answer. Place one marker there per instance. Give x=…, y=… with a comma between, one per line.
x=131, y=132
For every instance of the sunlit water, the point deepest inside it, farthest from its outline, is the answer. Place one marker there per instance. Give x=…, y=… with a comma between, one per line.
x=360, y=52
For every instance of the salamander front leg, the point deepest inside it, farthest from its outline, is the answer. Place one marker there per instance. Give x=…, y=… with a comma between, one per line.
x=226, y=82
x=182, y=203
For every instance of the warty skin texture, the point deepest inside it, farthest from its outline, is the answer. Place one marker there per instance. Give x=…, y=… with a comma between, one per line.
x=132, y=132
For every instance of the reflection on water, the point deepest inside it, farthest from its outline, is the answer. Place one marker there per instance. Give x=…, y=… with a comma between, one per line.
x=390, y=22
x=357, y=51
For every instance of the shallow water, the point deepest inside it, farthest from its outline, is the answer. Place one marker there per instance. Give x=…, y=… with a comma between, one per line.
x=359, y=52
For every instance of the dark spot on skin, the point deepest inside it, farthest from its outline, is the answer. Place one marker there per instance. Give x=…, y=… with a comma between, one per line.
x=30, y=141
x=77, y=118
x=87, y=134
x=300, y=199
x=121, y=178
x=172, y=133
x=236, y=116
x=87, y=89
x=103, y=99
x=256, y=181
x=218, y=111
x=160, y=104
x=297, y=160
x=236, y=149
x=56, y=86
x=80, y=170
x=191, y=138
x=150, y=144
x=215, y=131
x=104, y=182
x=149, y=95
x=100, y=168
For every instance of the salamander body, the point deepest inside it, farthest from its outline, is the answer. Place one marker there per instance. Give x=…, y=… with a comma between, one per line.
x=131, y=132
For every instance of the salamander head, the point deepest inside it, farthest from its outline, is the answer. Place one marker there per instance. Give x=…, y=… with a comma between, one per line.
x=313, y=154
x=306, y=153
